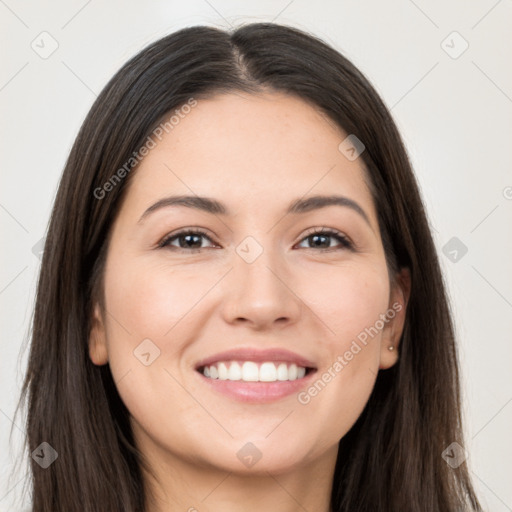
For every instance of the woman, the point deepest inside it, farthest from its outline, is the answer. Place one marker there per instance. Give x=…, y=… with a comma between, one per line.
x=299, y=356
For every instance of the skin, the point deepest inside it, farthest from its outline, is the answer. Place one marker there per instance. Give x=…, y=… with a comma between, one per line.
x=255, y=153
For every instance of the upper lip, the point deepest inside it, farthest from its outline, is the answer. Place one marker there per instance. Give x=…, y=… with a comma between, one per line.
x=257, y=355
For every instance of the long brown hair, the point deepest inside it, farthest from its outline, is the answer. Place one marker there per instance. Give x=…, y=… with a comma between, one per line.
x=391, y=459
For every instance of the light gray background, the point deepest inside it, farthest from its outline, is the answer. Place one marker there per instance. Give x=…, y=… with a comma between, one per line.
x=454, y=111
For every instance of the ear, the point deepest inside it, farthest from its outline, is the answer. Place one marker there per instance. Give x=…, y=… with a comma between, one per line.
x=392, y=332
x=98, y=339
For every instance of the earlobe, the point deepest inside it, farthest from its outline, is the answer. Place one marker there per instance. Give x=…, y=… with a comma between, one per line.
x=399, y=298
x=97, y=339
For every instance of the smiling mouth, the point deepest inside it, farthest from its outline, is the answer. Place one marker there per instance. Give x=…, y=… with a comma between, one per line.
x=250, y=371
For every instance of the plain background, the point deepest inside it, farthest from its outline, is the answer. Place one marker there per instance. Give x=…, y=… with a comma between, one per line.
x=452, y=104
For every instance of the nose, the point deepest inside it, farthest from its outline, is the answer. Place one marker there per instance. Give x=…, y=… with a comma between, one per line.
x=261, y=293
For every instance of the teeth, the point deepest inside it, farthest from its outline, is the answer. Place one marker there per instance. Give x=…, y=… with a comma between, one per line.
x=250, y=371
x=268, y=372
x=235, y=371
x=223, y=371
x=282, y=372
x=292, y=372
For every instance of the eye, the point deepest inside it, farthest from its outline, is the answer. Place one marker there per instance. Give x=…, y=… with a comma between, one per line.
x=318, y=236
x=191, y=240
x=187, y=239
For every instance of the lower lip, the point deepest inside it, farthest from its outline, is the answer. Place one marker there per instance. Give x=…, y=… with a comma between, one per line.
x=257, y=392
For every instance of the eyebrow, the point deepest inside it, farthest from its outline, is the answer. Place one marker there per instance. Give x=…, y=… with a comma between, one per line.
x=297, y=206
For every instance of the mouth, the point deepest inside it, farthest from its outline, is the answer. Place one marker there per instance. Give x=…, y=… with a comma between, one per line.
x=252, y=371
x=256, y=376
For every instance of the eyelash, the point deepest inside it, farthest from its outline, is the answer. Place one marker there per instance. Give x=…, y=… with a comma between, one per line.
x=344, y=241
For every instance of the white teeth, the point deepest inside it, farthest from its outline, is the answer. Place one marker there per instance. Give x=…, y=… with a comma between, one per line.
x=268, y=372
x=250, y=371
x=223, y=371
x=235, y=371
x=282, y=372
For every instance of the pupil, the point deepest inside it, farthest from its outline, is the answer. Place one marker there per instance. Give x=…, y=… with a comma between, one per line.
x=316, y=237
x=317, y=240
x=189, y=237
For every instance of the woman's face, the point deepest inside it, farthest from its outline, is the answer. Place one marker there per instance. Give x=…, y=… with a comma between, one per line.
x=257, y=279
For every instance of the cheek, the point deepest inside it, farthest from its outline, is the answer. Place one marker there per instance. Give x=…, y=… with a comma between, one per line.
x=348, y=299
x=150, y=300
x=150, y=311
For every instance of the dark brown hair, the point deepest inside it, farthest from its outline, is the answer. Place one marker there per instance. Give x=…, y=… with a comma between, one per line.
x=391, y=459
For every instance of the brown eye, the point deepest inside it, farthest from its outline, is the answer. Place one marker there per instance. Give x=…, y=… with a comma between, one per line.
x=322, y=239
x=187, y=240
x=191, y=240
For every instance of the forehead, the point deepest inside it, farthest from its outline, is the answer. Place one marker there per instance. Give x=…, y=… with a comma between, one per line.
x=251, y=150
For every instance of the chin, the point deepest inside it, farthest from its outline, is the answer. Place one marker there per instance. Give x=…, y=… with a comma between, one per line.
x=259, y=456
